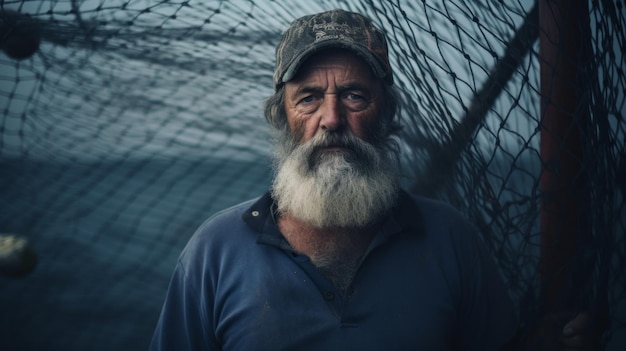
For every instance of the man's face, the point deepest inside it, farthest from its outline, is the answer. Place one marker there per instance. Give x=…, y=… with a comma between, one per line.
x=334, y=91
x=336, y=167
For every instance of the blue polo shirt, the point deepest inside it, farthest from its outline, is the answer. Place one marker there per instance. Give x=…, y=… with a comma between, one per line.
x=425, y=283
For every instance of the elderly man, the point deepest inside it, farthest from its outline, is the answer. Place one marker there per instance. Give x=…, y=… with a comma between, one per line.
x=335, y=256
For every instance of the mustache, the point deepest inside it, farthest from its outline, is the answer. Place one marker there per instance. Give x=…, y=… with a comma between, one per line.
x=352, y=148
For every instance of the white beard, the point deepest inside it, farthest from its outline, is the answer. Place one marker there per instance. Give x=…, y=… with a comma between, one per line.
x=335, y=188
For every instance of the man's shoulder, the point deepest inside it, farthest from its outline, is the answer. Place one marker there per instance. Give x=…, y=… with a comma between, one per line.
x=429, y=209
x=229, y=214
x=436, y=221
x=229, y=218
x=222, y=234
x=223, y=226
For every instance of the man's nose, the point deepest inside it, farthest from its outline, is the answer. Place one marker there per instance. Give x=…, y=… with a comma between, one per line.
x=331, y=118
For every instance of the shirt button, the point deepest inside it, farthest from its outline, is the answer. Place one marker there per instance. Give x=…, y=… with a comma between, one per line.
x=329, y=295
x=255, y=213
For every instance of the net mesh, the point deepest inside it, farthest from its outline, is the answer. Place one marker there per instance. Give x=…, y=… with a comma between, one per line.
x=124, y=124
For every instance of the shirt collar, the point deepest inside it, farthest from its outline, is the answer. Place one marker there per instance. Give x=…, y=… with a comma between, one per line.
x=260, y=218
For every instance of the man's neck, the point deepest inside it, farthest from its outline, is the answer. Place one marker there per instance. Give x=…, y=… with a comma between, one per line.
x=336, y=251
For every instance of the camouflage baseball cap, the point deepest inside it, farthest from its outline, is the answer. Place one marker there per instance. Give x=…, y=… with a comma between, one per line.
x=332, y=29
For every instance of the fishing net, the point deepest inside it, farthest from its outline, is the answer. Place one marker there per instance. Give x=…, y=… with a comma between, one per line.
x=125, y=124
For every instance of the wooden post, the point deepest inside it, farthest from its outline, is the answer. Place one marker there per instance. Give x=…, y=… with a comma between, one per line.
x=561, y=183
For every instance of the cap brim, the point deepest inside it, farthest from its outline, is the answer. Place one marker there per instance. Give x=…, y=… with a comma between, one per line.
x=360, y=51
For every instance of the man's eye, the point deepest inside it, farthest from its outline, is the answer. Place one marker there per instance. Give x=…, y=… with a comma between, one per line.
x=354, y=97
x=308, y=99
x=308, y=104
x=355, y=102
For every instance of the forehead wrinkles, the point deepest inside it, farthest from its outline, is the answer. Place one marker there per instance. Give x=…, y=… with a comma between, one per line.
x=342, y=63
x=328, y=78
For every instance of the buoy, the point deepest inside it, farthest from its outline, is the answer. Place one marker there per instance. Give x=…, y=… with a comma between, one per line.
x=20, y=35
x=17, y=257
